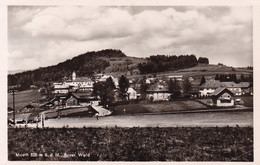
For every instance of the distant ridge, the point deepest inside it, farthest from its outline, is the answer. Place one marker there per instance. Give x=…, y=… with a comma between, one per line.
x=15, y=71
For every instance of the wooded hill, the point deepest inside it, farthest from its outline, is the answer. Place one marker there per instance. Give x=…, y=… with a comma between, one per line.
x=104, y=61
x=84, y=65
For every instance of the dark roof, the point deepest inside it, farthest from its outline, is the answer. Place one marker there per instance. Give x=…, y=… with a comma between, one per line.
x=29, y=106
x=220, y=91
x=158, y=87
x=211, y=84
x=75, y=95
x=81, y=95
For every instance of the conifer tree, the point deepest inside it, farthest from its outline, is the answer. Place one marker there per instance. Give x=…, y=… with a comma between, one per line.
x=202, y=80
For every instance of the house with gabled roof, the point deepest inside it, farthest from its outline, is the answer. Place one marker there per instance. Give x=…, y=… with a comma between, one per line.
x=74, y=99
x=209, y=87
x=236, y=88
x=223, y=97
x=158, y=92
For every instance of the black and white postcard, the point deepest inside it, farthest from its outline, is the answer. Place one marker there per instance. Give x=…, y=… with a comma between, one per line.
x=129, y=82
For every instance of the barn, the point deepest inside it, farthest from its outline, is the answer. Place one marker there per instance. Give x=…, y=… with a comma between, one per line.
x=222, y=97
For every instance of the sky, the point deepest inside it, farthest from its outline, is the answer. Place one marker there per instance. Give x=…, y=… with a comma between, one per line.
x=44, y=36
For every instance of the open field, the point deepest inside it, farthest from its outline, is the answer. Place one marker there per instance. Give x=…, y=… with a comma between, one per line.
x=147, y=107
x=118, y=65
x=202, y=70
x=23, y=98
x=132, y=144
x=129, y=109
x=174, y=106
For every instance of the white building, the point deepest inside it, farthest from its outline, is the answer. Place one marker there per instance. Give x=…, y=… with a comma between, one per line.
x=211, y=85
x=132, y=94
x=158, y=92
x=61, y=87
x=177, y=77
x=80, y=83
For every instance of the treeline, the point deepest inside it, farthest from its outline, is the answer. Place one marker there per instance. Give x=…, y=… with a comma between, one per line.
x=84, y=65
x=234, y=78
x=162, y=63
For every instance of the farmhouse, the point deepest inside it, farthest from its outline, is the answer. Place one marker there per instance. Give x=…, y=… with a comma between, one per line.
x=238, y=89
x=222, y=97
x=158, y=92
x=209, y=87
x=74, y=99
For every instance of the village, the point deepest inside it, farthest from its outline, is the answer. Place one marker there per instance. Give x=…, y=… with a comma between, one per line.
x=80, y=97
x=134, y=82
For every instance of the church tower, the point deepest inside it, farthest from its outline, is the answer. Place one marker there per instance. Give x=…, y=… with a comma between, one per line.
x=74, y=76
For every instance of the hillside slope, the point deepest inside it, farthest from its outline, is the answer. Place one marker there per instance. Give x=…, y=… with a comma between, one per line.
x=84, y=65
x=23, y=98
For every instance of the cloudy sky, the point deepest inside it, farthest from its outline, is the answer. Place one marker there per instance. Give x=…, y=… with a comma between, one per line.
x=43, y=36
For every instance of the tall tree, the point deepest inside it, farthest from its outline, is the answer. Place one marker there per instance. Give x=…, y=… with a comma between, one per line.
x=110, y=83
x=123, y=87
x=177, y=88
x=174, y=88
x=143, y=87
x=217, y=77
x=186, y=86
x=203, y=80
x=171, y=86
x=104, y=91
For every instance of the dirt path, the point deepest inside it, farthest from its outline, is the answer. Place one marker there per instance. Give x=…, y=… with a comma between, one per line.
x=210, y=119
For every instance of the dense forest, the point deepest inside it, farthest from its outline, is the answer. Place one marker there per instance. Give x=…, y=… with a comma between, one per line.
x=84, y=65
x=162, y=63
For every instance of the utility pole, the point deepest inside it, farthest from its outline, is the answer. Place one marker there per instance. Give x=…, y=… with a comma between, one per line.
x=13, y=93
